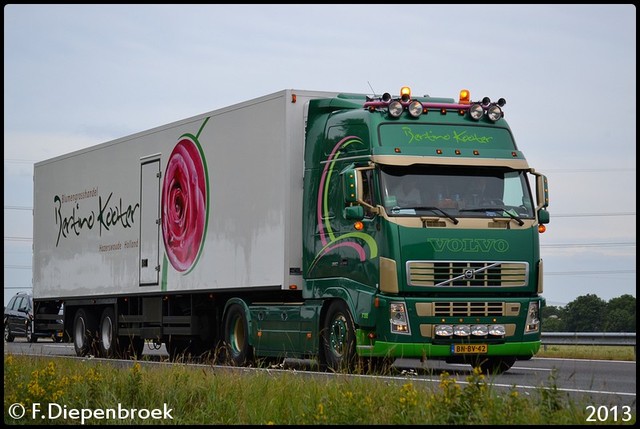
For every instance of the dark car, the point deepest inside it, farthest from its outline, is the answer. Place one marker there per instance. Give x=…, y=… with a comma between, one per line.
x=18, y=321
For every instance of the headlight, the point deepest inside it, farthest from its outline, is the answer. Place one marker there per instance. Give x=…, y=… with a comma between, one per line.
x=398, y=318
x=395, y=109
x=533, y=318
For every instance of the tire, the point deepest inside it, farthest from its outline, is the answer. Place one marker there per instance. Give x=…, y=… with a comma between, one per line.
x=29, y=333
x=496, y=364
x=236, y=337
x=338, y=339
x=7, y=333
x=85, y=330
x=107, y=335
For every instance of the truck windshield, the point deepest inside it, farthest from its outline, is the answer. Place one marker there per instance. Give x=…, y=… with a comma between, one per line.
x=454, y=192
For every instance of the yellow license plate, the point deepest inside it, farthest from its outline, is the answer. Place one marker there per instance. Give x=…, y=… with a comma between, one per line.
x=457, y=349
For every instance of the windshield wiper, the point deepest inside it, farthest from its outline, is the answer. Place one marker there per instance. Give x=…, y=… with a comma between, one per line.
x=491, y=209
x=436, y=209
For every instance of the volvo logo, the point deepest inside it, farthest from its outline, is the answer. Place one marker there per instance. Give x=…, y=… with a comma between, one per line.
x=468, y=274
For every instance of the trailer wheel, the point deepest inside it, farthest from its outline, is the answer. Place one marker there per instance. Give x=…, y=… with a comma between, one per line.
x=236, y=336
x=84, y=332
x=338, y=338
x=107, y=339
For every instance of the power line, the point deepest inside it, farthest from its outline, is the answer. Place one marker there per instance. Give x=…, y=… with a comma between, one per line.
x=589, y=244
x=580, y=273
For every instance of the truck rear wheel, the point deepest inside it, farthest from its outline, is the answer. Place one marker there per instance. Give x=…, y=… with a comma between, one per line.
x=338, y=338
x=84, y=332
x=236, y=336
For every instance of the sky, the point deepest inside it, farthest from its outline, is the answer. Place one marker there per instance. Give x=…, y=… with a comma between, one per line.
x=79, y=75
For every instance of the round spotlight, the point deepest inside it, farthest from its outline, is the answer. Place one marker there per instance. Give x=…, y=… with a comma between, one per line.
x=444, y=330
x=502, y=102
x=395, y=109
x=494, y=112
x=415, y=108
x=476, y=111
x=486, y=101
x=462, y=330
x=497, y=330
x=479, y=330
x=386, y=97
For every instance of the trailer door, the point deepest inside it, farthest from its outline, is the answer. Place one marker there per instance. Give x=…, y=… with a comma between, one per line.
x=149, y=221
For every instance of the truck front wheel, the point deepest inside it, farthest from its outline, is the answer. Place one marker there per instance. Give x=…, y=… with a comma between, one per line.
x=236, y=336
x=84, y=332
x=338, y=338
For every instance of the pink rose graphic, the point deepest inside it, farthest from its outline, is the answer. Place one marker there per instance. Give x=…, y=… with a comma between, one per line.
x=184, y=205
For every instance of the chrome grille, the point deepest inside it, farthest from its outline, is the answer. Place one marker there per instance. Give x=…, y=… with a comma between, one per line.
x=460, y=309
x=467, y=273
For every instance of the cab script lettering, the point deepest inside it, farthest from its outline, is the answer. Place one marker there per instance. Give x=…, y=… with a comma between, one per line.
x=456, y=136
x=107, y=217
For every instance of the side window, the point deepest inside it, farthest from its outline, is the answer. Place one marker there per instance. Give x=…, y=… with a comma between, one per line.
x=12, y=304
x=367, y=191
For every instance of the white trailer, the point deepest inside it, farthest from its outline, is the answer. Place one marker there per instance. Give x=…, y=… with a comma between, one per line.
x=230, y=184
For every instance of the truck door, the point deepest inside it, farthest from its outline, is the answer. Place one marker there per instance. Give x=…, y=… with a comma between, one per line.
x=149, y=221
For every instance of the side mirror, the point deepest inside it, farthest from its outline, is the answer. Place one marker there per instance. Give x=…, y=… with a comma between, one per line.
x=354, y=212
x=350, y=185
x=543, y=217
x=542, y=191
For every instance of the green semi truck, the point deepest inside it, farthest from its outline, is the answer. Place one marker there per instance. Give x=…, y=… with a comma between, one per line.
x=344, y=228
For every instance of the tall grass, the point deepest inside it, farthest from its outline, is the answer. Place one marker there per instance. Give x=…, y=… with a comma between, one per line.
x=202, y=395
